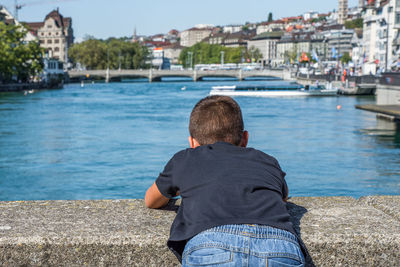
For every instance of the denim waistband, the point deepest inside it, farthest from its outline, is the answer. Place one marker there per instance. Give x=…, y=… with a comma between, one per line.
x=253, y=230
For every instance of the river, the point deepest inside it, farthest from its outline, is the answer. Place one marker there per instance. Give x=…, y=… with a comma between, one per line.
x=110, y=141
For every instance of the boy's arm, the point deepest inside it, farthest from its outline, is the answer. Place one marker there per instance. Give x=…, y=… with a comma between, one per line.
x=154, y=199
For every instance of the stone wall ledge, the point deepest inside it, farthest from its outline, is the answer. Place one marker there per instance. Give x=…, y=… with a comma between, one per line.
x=338, y=231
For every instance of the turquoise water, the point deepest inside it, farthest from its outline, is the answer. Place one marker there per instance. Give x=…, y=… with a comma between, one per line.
x=110, y=141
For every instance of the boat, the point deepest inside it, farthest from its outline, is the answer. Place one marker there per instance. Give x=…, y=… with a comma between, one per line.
x=233, y=90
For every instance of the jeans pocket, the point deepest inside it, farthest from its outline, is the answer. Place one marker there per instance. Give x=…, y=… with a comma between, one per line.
x=208, y=256
x=283, y=262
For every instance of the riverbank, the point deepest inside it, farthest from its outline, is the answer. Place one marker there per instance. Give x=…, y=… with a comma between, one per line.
x=336, y=230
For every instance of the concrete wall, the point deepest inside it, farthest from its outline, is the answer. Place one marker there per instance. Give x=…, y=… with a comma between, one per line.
x=388, y=95
x=338, y=231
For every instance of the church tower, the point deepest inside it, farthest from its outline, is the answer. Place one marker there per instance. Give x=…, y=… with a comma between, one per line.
x=343, y=11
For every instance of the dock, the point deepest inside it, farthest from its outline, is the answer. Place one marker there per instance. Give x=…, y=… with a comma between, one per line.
x=390, y=111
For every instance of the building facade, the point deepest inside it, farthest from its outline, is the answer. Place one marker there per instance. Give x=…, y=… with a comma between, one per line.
x=343, y=11
x=55, y=35
x=339, y=42
x=172, y=52
x=194, y=35
x=295, y=44
x=381, y=36
x=232, y=28
x=266, y=43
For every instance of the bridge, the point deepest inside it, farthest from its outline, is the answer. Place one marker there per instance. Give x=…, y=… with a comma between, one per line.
x=196, y=75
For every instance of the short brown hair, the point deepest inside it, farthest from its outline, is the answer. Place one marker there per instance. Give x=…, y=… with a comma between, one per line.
x=216, y=118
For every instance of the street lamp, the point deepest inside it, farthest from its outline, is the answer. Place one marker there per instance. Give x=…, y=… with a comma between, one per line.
x=222, y=57
x=190, y=54
x=387, y=38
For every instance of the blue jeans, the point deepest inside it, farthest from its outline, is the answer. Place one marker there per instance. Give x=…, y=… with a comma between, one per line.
x=243, y=245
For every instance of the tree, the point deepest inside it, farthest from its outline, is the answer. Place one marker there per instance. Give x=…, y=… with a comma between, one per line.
x=290, y=56
x=270, y=17
x=205, y=53
x=346, y=58
x=19, y=60
x=353, y=24
x=253, y=54
x=113, y=53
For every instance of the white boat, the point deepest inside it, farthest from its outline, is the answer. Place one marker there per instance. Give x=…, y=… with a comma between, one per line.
x=265, y=92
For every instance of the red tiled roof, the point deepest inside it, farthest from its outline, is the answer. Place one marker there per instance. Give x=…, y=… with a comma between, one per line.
x=34, y=25
x=199, y=29
x=59, y=19
x=157, y=43
x=173, y=46
x=173, y=32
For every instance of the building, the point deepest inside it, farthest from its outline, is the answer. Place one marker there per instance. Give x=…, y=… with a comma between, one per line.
x=295, y=44
x=172, y=52
x=266, y=43
x=55, y=35
x=217, y=38
x=357, y=53
x=276, y=25
x=7, y=18
x=339, y=42
x=232, y=28
x=343, y=11
x=361, y=3
x=238, y=39
x=381, y=36
x=159, y=60
x=194, y=35
x=310, y=15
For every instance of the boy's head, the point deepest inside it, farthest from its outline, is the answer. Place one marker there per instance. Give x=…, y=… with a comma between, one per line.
x=217, y=118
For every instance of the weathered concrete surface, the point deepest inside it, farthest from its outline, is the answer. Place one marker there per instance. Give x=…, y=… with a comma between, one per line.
x=338, y=231
x=390, y=110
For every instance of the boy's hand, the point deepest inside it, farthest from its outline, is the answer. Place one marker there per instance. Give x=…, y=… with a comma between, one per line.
x=154, y=199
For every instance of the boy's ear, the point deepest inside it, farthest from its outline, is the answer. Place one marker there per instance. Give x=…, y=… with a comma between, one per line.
x=193, y=142
x=245, y=139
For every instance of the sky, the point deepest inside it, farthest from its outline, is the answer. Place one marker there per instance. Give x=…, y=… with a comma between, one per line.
x=118, y=18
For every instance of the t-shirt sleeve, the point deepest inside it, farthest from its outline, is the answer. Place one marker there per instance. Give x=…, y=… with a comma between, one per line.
x=164, y=181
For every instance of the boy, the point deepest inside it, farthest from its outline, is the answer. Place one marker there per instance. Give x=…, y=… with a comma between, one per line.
x=233, y=210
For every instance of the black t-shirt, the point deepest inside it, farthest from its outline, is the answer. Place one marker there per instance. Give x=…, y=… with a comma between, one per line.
x=223, y=184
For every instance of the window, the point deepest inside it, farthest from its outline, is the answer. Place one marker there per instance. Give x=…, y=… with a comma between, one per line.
x=56, y=41
x=41, y=41
x=397, y=19
x=49, y=26
x=57, y=49
x=49, y=41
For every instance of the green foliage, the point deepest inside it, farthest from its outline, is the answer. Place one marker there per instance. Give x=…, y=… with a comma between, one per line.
x=19, y=60
x=113, y=53
x=290, y=56
x=314, y=20
x=353, y=24
x=346, y=58
x=270, y=17
x=204, y=53
x=252, y=54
